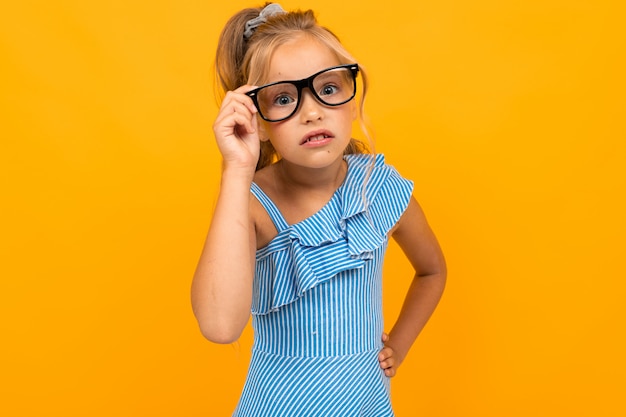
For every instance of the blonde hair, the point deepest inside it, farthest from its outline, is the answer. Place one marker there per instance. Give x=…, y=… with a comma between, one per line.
x=242, y=61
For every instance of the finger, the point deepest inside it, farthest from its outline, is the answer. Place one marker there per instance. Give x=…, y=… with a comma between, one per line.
x=244, y=89
x=388, y=363
x=234, y=125
x=243, y=117
x=250, y=125
x=385, y=353
x=238, y=103
x=240, y=93
x=391, y=372
x=385, y=337
x=236, y=116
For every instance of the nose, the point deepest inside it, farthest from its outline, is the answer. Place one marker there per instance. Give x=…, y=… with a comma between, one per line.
x=310, y=108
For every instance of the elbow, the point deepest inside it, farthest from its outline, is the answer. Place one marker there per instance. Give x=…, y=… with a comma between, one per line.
x=441, y=273
x=218, y=323
x=442, y=276
x=436, y=279
x=221, y=334
x=222, y=338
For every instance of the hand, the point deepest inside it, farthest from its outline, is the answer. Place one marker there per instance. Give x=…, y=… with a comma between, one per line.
x=387, y=358
x=236, y=129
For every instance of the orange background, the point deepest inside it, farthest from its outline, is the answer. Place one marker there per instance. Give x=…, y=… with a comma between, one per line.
x=509, y=115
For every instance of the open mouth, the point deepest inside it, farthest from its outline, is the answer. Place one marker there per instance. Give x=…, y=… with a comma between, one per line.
x=314, y=137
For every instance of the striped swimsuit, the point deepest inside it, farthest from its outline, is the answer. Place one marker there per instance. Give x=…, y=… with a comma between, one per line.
x=317, y=303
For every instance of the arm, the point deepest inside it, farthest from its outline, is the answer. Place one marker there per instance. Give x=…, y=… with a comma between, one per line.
x=221, y=292
x=419, y=244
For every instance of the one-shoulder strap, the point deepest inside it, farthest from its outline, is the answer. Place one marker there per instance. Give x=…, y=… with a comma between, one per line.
x=269, y=206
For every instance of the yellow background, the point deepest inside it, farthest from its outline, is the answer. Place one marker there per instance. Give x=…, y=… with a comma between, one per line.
x=509, y=116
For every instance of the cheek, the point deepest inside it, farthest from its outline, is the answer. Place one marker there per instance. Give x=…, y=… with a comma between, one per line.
x=275, y=132
x=354, y=110
x=348, y=116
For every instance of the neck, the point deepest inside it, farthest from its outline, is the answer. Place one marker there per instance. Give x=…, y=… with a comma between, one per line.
x=295, y=176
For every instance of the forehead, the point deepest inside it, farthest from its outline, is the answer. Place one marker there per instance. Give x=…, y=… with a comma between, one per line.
x=300, y=58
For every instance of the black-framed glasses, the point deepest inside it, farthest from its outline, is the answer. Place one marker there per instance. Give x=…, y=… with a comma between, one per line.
x=280, y=100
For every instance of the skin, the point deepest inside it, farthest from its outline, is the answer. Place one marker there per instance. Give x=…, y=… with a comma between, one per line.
x=300, y=184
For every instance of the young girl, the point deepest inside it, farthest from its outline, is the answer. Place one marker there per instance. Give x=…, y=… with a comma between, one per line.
x=301, y=226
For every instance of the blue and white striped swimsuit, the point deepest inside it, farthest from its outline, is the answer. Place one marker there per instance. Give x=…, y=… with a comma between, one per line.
x=317, y=303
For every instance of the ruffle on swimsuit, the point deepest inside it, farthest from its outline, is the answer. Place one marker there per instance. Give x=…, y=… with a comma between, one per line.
x=341, y=236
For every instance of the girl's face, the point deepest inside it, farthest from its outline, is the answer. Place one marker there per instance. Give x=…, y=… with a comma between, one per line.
x=317, y=134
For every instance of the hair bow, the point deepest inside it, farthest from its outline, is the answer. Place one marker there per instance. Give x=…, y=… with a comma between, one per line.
x=268, y=11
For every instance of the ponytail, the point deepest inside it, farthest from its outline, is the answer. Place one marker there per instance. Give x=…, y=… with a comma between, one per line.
x=231, y=50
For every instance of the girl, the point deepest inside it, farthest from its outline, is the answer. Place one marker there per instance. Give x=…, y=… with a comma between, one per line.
x=301, y=226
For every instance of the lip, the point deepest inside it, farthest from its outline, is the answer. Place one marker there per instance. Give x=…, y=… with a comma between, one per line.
x=327, y=137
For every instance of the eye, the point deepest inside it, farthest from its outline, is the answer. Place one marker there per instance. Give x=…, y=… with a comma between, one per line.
x=283, y=100
x=328, y=89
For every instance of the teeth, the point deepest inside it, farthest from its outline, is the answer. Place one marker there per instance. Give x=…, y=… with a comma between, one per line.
x=318, y=137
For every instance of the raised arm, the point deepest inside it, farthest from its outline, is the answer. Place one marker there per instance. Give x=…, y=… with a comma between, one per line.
x=221, y=292
x=418, y=242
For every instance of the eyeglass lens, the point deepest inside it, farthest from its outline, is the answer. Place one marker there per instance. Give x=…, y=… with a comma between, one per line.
x=332, y=87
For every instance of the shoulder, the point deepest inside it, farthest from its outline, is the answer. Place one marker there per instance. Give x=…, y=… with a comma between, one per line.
x=376, y=188
x=373, y=176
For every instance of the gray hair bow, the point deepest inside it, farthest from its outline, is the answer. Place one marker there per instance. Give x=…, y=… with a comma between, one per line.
x=252, y=24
